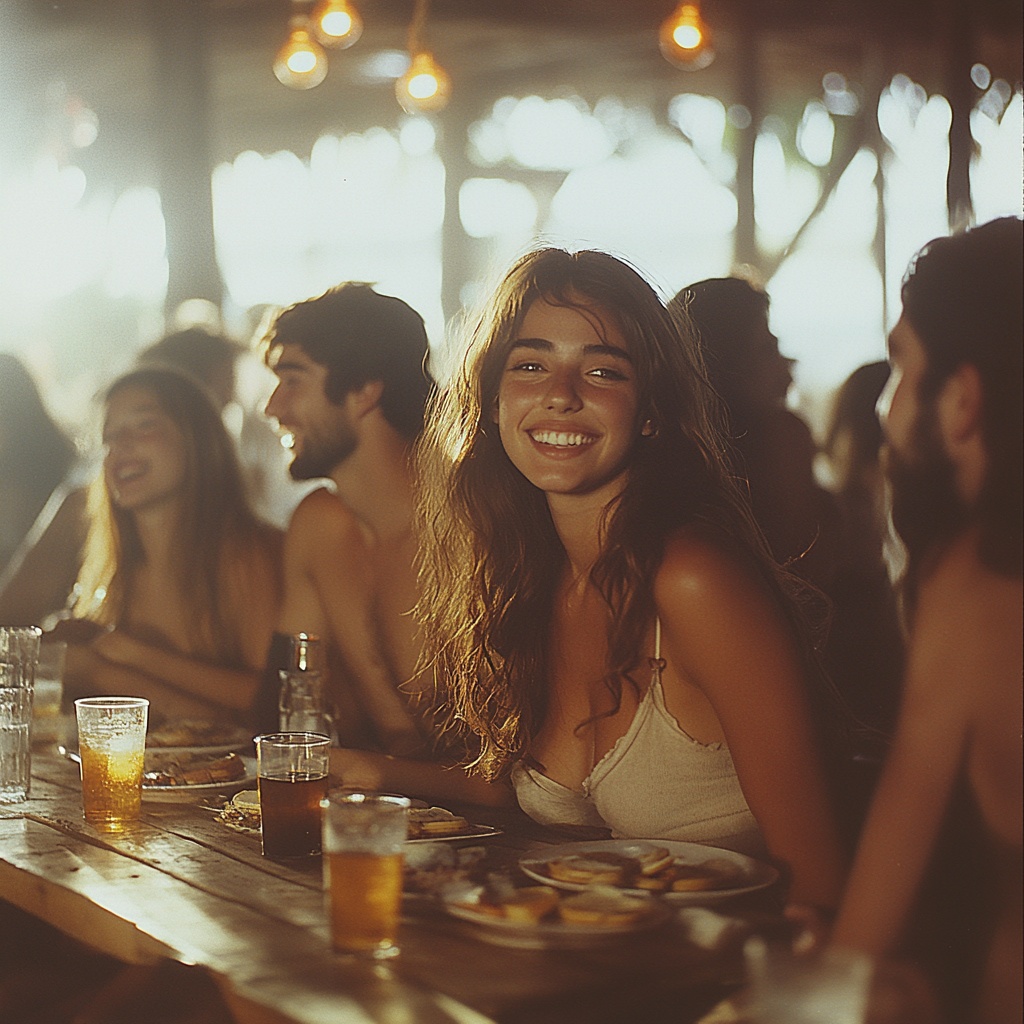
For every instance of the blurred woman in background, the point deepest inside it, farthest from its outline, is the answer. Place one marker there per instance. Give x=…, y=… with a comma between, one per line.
x=181, y=584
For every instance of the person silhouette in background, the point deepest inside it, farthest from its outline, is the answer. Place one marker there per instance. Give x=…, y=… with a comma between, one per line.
x=799, y=519
x=181, y=583
x=938, y=872
x=39, y=495
x=865, y=643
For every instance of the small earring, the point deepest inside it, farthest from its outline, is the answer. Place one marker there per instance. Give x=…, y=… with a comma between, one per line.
x=648, y=430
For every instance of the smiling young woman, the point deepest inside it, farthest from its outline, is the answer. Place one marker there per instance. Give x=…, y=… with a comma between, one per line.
x=598, y=606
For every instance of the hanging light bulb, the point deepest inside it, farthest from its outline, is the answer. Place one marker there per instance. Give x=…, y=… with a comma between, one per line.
x=300, y=63
x=424, y=88
x=686, y=40
x=336, y=24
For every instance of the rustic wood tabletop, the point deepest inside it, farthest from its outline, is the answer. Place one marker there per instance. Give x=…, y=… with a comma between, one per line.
x=180, y=884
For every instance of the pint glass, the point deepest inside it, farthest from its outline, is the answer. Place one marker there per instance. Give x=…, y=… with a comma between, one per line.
x=363, y=838
x=112, y=744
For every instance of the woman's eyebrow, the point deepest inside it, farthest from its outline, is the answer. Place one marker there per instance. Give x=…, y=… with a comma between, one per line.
x=543, y=345
x=607, y=350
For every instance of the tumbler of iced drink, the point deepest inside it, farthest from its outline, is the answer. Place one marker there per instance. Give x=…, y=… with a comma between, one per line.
x=292, y=781
x=112, y=744
x=363, y=838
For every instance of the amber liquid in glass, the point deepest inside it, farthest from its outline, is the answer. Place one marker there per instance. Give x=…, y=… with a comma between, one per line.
x=111, y=786
x=366, y=898
x=290, y=811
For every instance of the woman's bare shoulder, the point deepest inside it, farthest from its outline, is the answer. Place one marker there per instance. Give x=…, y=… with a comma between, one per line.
x=700, y=560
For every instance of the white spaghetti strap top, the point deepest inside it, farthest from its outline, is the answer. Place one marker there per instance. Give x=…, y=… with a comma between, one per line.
x=657, y=782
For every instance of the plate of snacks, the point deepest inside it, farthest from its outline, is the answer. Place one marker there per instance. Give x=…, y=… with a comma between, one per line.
x=683, y=873
x=435, y=824
x=180, y=776
x=191, y=735
x=242, y=812
x=542, y=917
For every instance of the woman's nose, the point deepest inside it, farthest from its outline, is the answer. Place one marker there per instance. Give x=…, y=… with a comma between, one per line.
x=562, y=394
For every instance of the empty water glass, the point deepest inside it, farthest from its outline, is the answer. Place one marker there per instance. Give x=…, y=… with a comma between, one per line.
x=831, y=987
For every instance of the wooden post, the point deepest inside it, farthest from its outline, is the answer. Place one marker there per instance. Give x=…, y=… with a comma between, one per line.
x=959, y=38
x=746, y=249
x=180, y=126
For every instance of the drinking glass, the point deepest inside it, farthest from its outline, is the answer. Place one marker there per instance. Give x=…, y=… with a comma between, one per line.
x=292, y=768
x=15, y=734
x=785, y=988
x=48, y=692
x=112, y=744
x=363, y=838
x=19, y=646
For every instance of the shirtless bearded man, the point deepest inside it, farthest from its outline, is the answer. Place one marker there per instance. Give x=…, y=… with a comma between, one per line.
x=953, y=425
x=351, y=392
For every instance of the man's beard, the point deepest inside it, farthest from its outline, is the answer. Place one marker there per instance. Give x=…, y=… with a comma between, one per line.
x=320, y=455
x=927, y=509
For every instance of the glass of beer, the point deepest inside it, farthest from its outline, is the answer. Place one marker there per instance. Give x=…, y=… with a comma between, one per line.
x=292, y=769
x=363, y=838
x=112, y=744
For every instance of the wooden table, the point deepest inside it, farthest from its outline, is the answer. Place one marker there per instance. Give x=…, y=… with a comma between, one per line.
x=179, y=884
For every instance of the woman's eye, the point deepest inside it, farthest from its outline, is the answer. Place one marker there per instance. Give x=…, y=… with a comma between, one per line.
x=607, y=373
x=528, y=365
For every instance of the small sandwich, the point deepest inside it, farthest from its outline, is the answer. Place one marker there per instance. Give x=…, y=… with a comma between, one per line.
x=434, y=822
x=603, y=907
x=592, y=868
x=527, y=906
x=656, y=859
x=712, y=874
x=242, y=811
x=182, y=772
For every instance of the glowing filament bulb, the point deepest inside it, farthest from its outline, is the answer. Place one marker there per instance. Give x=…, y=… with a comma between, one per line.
x=300, y=63
x=685, y=39
x=424, y=87
x=336, y=23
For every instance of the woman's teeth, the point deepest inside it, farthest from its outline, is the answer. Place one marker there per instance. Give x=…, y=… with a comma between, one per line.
x=561, y=440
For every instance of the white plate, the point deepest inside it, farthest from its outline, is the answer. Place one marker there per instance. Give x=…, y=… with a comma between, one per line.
x=477, y=832
x=186, y=794
x=755, y=874
x=500, y=931
x=210, y=752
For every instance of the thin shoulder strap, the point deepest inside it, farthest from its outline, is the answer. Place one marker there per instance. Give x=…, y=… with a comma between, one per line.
x=657, y=639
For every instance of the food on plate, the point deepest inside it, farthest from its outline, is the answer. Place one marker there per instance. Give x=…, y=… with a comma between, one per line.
x=194, y=770
x=652, y=869
x=712, y=874
x=528, y=905
x=610, y=909
x=242, y=812
x=434, y=822
x=194, y=733
x=654, y=860
x=434, y=869
x=541, y=904
x=594, y=868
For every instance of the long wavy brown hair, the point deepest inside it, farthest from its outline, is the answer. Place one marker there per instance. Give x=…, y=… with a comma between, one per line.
x=215, y=519
x=490, y=557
